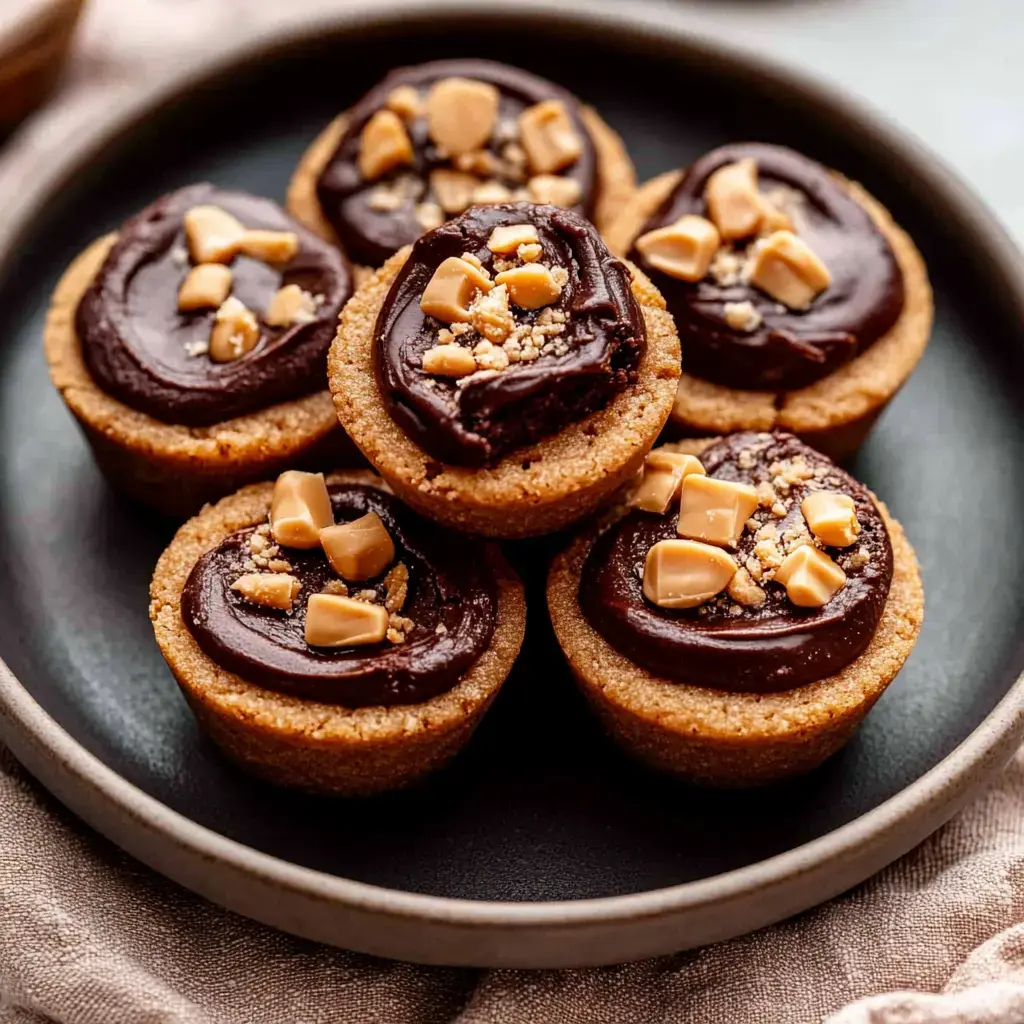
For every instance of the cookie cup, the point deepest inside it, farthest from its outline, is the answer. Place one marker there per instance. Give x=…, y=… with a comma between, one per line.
x=171, y=468
x=836, y=413
x=534, y=490
x=718, y=738
x=308, y=744
x=616, y=176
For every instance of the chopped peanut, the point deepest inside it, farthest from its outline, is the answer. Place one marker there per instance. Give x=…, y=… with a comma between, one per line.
x=206, y=287
x=235, y=332
x=383, y=145
x=461, y=114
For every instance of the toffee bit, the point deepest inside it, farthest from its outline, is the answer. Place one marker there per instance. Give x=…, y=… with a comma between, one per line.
x=336, y=587
x=441, y=629
x=369, y=596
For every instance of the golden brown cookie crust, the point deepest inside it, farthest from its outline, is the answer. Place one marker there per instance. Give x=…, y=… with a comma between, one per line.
x=615, y=174
x=836, y=413
x=308, y=744
x=533, y=490
x=176, y=469
x=732, y=739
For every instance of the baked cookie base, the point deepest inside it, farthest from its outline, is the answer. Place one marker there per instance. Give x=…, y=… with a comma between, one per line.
x=170, y=468
x=307, y=744
x=616, y=177
x=535, y=489
x=835, y=414
x=726, y=739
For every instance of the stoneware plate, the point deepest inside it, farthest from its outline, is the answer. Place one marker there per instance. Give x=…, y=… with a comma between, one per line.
x=541, y=846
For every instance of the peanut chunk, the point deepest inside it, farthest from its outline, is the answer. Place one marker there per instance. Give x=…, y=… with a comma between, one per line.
x=549, y=137
x=554, y=190
x=206, y=287
x=742, y=316
x=269, y=246
x=715, y=510
x=489, y=193
x=491, y=317
x=383, y=145
x=405, y=101
x=683, y=250
x=235, y=332
x=684, y=573
x=396, y=587
x=662, y=480
x=450, y=291
x=734, y=203
x=531, y=286
x=743, y=590
x=291, y=305
x=461, y=114
x=832, y=517
x=358, y=550
x=508, y=237
x=810, y=577
x=270, y=589
x=213, y=234
x=429, y=216
x=449, y=361
x=453, y=189
x=300, y=509
x=334, y=621
x=787, y=269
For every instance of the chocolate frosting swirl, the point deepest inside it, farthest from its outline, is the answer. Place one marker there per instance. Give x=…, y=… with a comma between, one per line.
x=371, y=236
x=136, y=343
x=449, y=586
x=791, y=348
x=776, y=646
x=477, y=422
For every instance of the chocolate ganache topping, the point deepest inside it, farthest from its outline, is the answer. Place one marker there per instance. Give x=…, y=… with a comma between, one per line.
x=449, y=613
x=374, y=214
x=752, y=637
x=141, y=349
x=769, y=346
x=525, y=371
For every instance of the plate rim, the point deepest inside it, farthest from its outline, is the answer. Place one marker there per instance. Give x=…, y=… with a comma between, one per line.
x=448, y=930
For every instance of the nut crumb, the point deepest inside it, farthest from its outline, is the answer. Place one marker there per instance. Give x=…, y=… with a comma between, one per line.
x=741, y=316
x=396, y=587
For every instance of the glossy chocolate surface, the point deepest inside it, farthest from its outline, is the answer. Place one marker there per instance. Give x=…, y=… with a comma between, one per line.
x=370, y=236
x=477, y=422
x=450, y=586
x=777, y=646
x=791, y=348
x=141, y=350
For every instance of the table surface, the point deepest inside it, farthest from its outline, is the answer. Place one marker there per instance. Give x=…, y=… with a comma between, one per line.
x=948, y=70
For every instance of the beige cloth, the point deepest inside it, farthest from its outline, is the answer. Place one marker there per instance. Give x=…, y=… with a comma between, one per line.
x=88, y=936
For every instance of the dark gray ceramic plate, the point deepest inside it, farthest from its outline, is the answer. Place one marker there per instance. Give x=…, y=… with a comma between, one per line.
x=541, y=845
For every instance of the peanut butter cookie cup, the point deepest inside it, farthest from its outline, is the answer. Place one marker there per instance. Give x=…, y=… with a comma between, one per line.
x=506, y=373
x=328, y=638
x=800, y=304
x=431, y=140
x=737, y=618
x=190, y=347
